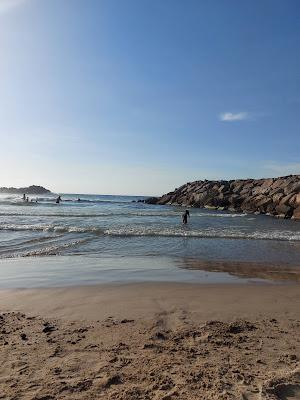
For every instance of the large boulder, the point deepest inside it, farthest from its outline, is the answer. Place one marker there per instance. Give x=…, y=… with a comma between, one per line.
x=150, y=200
x=284, y=210
x=296, y=200
x=277, y=197
x=296, y=214
x=286, y=199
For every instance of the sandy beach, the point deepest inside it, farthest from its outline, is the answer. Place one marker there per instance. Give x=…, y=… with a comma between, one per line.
x=149, y=200
x=151, y=341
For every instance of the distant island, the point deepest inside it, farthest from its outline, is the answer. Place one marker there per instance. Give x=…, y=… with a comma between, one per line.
x=33, y=189
x=279, y=197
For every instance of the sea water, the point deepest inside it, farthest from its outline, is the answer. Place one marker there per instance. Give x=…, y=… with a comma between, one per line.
x=104, y=227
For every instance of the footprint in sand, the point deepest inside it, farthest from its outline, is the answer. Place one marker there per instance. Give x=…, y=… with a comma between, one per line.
x=285, y=388
x=288, y=392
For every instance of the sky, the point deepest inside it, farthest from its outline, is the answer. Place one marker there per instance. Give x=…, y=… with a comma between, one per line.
x=141, y=96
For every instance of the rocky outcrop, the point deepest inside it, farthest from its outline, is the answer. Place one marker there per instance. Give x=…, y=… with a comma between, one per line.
x=33, y=189
x=274, y=196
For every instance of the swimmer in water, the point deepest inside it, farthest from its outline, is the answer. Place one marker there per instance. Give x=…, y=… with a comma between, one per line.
x=185, y=216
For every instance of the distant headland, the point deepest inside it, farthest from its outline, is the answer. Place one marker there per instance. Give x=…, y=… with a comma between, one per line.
x=33, y=189
x=279, y=197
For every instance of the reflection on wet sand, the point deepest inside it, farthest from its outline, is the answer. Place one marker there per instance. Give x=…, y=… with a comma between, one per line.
x=246, y=269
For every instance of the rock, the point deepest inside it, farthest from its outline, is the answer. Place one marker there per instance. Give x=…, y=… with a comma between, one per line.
x=274, y=196
x=264, y=203
x=246, y=189
x=235, y=201
x=277, y=197
x=238, y=188
x=284, y=210
x=292, y=187
x=270, y=209
x=48, y=328
x=296, y=214
x=223, y=188
x=297, y=200
x=150, y=200
x=275, y=191
x=267, y=183
x=286, y=199
x=164, y=199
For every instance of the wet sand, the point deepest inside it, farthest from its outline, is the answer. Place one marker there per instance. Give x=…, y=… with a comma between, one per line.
x=151, y=341
x=246, y=269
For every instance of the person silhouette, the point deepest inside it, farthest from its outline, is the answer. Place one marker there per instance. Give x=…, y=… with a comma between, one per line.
x=185, y=216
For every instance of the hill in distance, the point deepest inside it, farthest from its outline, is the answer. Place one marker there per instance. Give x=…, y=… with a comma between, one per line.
x=33, y=189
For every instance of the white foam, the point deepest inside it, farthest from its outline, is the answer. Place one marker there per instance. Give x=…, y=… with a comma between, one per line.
x=159, y=231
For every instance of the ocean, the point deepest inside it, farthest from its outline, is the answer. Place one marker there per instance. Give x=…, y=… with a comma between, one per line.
x=108, y=230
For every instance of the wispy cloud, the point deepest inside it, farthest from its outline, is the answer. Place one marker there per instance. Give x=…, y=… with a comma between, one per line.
x=229, y=116
x=276, y=168
x=7, y=5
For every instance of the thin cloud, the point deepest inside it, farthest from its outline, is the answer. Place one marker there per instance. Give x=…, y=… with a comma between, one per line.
x=282, y=168
x=229, y=117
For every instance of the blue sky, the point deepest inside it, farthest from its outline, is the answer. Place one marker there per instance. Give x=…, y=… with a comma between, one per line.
x=140, y=96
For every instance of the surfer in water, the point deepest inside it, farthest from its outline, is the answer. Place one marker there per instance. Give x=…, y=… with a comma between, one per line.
x=185, y=216
x=58, y=200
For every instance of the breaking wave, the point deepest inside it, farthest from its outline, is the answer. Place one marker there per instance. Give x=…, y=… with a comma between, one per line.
x=143, y=213
x=154, y=231
x=52, y=200
x=52, y=250
x=50, y=228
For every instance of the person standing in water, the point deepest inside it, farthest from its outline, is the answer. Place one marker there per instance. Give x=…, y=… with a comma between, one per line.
x=58, y=200
x=185, y=216
x=24, y=197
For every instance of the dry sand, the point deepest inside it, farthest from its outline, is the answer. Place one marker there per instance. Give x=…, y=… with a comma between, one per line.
x=151, y=341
